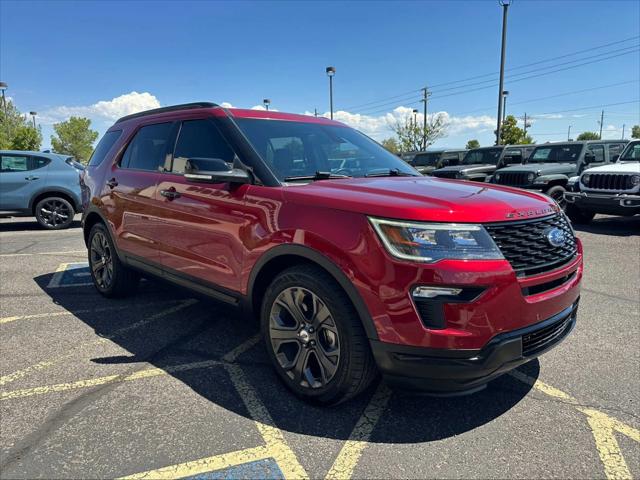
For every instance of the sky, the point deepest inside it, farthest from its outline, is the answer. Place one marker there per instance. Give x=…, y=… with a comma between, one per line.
x=566, y=61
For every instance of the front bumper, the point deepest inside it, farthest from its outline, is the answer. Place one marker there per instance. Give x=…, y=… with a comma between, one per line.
x=622, y=203
x=457, y=372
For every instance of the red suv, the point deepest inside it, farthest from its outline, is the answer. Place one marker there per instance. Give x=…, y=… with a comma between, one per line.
x=353, y=261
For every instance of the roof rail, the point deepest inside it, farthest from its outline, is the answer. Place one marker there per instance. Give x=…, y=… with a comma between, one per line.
x=172, y=108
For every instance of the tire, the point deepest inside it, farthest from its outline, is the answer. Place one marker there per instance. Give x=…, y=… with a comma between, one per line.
x=54, y=213
x=557, y=194
x=579, y=217
x=110, y=277
x=337, y=363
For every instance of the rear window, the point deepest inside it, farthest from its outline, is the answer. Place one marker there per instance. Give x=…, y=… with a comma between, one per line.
x=103, y=147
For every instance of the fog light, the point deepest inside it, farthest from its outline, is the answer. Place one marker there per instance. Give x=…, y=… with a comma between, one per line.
x=432, y=292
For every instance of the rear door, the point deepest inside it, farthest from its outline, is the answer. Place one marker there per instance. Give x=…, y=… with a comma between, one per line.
x=20, y=177
x=203, y=224
x=132, y=203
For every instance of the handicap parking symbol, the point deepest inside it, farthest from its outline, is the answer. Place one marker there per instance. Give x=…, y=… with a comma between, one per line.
x=71, y=275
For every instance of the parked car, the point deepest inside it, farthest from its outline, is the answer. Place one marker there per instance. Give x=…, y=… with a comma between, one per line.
x=613, y=189
x=430, y=160
x=550, y=166
x=441, y=286
x=479, y=164
x=44, y=185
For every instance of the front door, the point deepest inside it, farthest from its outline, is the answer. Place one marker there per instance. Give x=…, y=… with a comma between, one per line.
x=20, y=177
x=202, y=223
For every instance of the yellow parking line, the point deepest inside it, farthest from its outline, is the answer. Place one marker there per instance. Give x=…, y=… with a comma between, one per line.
x=12, y=377
x=350, y=454
x=204, y=465
x=42, y=253
x=4, y=320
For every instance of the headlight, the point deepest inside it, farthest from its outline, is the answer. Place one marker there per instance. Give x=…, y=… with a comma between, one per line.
x=635, y=180
x=531, y=177
x=497, y=177
x=585, y=179
x=430, y=242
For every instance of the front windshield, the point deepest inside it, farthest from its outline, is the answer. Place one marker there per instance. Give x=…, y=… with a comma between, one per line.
x=482, y=157
x=299, y=149
x=426, y=159
x=631, y=153
x=556, y=154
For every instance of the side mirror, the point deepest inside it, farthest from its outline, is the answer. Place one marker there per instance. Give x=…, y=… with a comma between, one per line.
x=615, y=157
x=214, y=170
x=588, y=158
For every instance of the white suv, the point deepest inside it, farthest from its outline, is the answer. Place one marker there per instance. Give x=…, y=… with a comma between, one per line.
x=613, y=189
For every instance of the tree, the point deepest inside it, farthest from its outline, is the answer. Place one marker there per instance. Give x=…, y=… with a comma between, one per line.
x=26, y=137
x=588, y=136
x=11, y=121
x=411, y=134
x=391, y=144
x=74, y=137
x=511, y=134
x=471, y=144
x=635, y=131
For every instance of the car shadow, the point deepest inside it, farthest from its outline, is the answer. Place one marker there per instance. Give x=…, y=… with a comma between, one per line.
x=207, y=330
x=610, y=225
x=27, y=224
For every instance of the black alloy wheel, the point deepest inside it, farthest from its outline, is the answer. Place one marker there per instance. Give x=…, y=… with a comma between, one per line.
x=54, y=213
x=101, y=261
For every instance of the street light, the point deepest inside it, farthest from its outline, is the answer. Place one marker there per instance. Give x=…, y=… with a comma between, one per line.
x=505, y=94
x=266, y=102
x=415, y=117
x=331, y=71
x=3, y=87
x=505, y=8
x=33, y=116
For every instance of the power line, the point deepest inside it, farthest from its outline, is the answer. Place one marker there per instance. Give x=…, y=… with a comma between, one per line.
x=598, y=107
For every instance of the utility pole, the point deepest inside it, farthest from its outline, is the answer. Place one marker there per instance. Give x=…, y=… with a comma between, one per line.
x=623, y=125
x=425, y=96
x=315, y=112
x=601, y=121
x=526, y=123
x=505, y=8
x=569, y=134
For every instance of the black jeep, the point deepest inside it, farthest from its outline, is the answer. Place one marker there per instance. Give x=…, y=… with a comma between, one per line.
x=551, y=165
x=480, y=163
x=430, y=160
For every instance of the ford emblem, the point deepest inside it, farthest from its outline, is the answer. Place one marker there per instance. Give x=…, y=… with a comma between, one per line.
x=556, y=237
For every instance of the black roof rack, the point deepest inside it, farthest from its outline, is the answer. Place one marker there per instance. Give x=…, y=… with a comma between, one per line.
x=172, y=108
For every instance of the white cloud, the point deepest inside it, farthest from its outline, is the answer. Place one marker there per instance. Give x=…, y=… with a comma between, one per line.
x=104, y=109
x=226, y=105
x=550, y=116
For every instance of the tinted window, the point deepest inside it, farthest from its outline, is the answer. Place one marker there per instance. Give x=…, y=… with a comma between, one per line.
x=598, y=152
x=199, y=139
x=484, y=156
x=557, y=153
x=427, y=159
x=615, y=149
x=39, y=162
x=14, y=163
x=104, y=145
x=148, y=148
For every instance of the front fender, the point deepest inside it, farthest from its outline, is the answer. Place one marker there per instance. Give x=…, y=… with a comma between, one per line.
x=556, y=179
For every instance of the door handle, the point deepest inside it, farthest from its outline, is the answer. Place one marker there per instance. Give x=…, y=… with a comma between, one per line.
x=170, y=193
x=31, y=178
x=113, y=183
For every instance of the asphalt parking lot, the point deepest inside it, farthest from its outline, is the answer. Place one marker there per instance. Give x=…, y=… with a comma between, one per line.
x=164, y=385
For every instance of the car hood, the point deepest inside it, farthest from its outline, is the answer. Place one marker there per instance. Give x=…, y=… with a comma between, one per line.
x=422, y=199
x=543, y=168
x=622, y=167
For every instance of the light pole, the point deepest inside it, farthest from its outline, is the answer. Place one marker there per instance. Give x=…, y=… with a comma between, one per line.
x=415, y=117
x=266, y=102
x=569, y=134
x=3, y=87
x=505, y=8
x=331, y=71
x=505, y=94
x=33, y=117
x=601, y=122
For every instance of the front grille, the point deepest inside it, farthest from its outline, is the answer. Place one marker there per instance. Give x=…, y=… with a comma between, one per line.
x=609, y=181
x=542, y=338
x=446, y=174
x=524, y=244
x=514, y=179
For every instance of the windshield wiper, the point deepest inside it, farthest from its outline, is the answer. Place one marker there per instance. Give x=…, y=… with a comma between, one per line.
x=317, y=176
x=393, y=172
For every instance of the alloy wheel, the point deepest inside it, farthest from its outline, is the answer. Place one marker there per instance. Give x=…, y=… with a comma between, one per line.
x=304, y=337
x=55, y=213
x=101, y=260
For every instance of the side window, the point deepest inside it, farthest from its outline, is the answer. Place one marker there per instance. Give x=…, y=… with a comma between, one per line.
x=14, y=163
x=104, y=145
x=598, y=152
x=148, y=148
x=199, y=139
x=615, y=149
x=39, y=162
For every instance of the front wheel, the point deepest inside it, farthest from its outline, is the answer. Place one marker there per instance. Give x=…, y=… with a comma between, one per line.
x=314, y=337
x=557, y=194
x=54, y=213
x=110, y=276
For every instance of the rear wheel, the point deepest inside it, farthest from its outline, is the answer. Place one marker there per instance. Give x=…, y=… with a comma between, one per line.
x=579, y=217
x=110, y=277
x=314, y=337
x=557, y=194
x=54, y=213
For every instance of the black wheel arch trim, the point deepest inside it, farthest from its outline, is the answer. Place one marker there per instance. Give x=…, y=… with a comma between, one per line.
x=327, y=264
x=57, y=191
